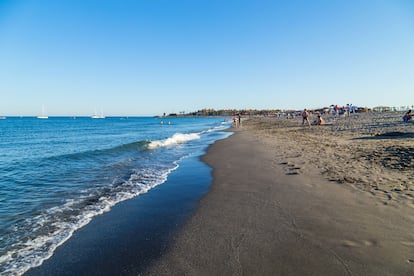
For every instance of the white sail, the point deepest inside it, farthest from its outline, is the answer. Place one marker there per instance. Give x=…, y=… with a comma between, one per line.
x=97, y=116
x=43, y=115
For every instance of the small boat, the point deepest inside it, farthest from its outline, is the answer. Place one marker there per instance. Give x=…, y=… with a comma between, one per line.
x=96, y=116
x=43, y=115
x=2, y=117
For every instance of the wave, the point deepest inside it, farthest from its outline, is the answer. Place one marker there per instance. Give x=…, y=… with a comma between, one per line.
x=139, y=145
x=129, y=147
x=177, y=138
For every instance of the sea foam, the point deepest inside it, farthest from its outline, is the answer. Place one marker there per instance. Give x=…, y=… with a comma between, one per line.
x=177, y=138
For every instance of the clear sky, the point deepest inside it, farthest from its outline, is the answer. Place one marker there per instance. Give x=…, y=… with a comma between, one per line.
x=146, y=57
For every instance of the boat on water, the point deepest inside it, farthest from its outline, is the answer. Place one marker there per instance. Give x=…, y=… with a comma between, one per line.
x=2, y=117
x=43, y=115
x=95, y=116
x=98, y=116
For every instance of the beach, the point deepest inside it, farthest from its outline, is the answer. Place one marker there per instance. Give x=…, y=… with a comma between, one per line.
x=277, y=198
x=286, y=199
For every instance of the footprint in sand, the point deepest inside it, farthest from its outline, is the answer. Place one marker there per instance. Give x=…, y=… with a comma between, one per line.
x=292, y=173
x=370, y=243
x=349, y=243
x=291, y=168
x=408, y=243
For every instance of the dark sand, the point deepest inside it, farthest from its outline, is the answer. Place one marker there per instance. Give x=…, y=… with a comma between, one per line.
x=262, y=217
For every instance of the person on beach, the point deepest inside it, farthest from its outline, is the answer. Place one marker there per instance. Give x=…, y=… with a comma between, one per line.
x=305, y=117
x=407, y=116
x=319, y=120
x=336, y=110
x=234, y=121
x=348, y=110
x=240, y=120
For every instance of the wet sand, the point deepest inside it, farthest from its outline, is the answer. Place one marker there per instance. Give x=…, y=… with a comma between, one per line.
x=293, y=200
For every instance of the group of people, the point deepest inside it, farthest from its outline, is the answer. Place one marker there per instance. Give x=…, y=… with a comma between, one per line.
x=338, y=110
x=318, y=121
x=237, y=120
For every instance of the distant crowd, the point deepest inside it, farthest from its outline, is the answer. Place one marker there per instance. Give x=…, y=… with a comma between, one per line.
x=332, y=109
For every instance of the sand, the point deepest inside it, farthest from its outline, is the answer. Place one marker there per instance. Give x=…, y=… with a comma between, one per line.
x=292, y=200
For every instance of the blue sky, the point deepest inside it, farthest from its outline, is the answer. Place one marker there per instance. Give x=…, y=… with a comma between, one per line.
x=149, y=57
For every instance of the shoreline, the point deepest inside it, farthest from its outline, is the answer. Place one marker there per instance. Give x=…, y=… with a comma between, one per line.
x=274, y=210
x=135, y=232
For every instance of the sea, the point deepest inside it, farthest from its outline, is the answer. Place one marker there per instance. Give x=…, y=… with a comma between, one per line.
x=58, y=174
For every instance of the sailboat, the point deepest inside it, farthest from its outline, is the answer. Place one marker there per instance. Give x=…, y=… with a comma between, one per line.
x=96, y=116
x=43, y=115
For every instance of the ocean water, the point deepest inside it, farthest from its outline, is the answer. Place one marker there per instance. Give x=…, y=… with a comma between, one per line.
x=57, y=174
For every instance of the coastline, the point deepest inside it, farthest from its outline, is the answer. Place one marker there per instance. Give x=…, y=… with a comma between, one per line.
x=277, y=206
x=134, y=233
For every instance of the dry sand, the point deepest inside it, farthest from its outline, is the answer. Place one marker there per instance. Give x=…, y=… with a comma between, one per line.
x=291, y=200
